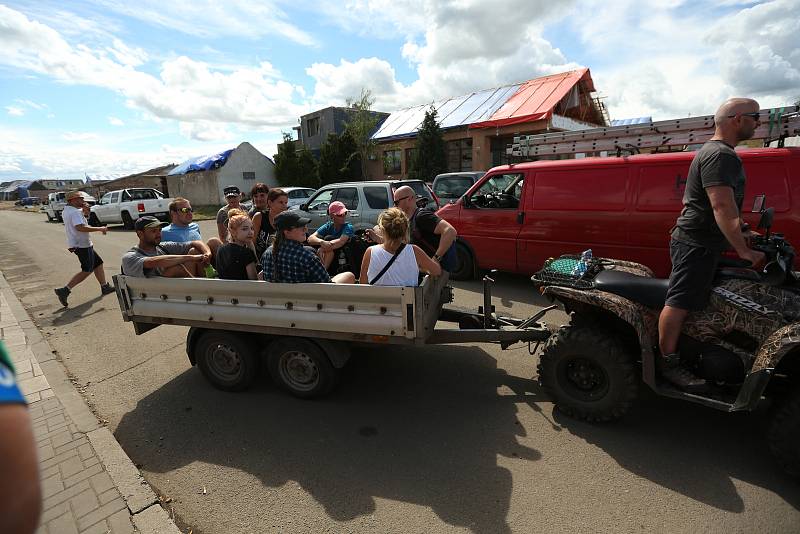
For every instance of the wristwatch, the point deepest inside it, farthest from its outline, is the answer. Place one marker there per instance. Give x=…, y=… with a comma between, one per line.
x=437, y=258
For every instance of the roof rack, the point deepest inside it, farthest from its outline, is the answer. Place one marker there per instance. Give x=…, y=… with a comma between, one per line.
x=776, y=125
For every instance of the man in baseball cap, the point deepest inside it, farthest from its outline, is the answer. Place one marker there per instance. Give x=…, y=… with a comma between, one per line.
x=152, y=257
x=79, y=243
x=332, y=235
x=232, y=197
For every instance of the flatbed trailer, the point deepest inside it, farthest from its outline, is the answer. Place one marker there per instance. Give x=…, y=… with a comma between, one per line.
x=305, y=333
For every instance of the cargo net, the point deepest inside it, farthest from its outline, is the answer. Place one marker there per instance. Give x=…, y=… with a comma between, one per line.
x=561, y=272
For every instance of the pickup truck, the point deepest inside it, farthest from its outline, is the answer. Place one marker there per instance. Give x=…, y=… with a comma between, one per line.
x=126, y=205
x=55, y=205
x=304, y=333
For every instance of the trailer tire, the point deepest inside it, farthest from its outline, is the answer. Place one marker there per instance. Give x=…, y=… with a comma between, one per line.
x=301, y=367
x=783, y=434
x=226, y=359
x=588, y=373
x=127, y=221
x=465, y=264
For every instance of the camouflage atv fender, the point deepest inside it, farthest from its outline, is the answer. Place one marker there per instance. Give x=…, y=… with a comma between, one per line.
x=776, y=346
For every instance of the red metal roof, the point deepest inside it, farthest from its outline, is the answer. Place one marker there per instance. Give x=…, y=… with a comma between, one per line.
x=535, y=99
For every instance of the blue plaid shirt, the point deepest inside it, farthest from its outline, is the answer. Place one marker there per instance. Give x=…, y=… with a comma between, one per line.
x=297, y=264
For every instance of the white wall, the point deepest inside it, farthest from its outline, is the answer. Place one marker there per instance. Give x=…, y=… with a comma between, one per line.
x=245, y=159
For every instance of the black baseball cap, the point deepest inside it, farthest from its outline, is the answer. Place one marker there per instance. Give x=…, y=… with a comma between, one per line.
x=289, y=219
x=148, y=221
x=231, y=191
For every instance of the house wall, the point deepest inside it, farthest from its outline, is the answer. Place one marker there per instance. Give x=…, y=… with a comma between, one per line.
x=200, y=188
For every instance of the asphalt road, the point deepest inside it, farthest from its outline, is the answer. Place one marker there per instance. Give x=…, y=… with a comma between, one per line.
x=455, y=438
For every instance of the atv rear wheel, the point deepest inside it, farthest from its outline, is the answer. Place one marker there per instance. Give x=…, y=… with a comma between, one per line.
x=783, y=434
x=588, y=373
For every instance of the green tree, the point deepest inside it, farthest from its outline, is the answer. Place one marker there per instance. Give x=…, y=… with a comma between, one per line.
x=430, y=158
x=306, y=170
x=287, y=164
x=361, y=126
x=338, y=160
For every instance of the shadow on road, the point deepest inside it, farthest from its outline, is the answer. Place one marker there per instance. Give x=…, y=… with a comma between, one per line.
x=690, y=449
x=423, y=429
x=71, y=314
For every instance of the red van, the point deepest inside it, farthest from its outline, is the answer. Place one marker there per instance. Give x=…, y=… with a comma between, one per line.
x=517, y=216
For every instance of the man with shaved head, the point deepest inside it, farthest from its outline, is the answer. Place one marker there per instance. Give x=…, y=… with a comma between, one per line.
x=709, y=223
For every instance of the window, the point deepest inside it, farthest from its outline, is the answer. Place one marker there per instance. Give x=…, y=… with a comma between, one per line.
x=501, y=191
x=377, y=197
x=296, y=193
x=125, y=196
x=312, y=126
x=452, y=186
x=348, y=196
x=321, y=201
x=459, y=155
x=106, y=199
x=498, y=147
x=411, y=157
x=391, y=161
x=246, y=175
x=114, y=197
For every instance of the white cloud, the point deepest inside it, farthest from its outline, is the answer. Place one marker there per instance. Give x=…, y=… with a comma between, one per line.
x=31, y=104
x=205, y=131
x=15, y=111
x=114, y=121
x=79, y=136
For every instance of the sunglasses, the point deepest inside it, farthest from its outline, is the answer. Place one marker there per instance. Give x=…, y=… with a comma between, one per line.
x=185, y=210
x=754, y=115
x=399, y=200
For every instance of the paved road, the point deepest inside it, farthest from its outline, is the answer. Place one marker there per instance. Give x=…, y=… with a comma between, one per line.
x=443, y=439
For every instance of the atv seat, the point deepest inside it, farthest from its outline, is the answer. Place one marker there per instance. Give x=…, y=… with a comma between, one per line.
x=651, y=292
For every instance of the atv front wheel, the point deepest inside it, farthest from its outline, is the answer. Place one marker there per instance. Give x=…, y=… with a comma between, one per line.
x=588, y=373
x=783, y=434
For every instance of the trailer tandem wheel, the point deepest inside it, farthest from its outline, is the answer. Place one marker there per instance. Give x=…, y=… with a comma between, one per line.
x=227, y=359
x=301, y=367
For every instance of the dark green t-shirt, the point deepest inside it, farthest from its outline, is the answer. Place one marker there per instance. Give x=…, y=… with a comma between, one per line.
x=716, y=163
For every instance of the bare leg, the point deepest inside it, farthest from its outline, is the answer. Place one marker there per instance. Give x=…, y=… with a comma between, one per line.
x=214, y=243
x=344, y=278
x=100, y=274
x=77, y=279
x=669, y=329
x=326, y=256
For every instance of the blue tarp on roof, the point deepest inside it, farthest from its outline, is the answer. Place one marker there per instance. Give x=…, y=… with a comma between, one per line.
x=628, y=122
x=202, y=163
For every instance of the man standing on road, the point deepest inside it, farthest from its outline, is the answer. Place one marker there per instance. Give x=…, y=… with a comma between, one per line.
x=182, y=229
x=78, y=242
x=709, y=222
x=433, y=235
x=152, y=257
x=232, y=197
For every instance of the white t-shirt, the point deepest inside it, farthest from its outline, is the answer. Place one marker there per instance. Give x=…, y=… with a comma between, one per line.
x=72, y=217
x=403, y=272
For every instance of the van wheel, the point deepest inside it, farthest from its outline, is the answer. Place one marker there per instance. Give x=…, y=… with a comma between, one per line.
x=783, y=434
x=465, y=265
x=226, y=359
x=588, y=374
x=301, y=367
x=93, y=220
x=127, y=222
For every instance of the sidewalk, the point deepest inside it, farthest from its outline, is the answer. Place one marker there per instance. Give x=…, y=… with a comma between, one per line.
x=89, y=485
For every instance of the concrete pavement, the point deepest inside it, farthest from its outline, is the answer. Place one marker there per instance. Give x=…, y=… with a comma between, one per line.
x=89, y=485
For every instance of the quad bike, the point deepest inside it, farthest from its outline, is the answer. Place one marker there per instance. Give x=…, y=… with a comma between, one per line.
x=746, y=343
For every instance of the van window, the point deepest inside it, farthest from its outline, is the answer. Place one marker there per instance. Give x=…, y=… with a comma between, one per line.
x=581, y=189
x=348, y=196
x=321, y=201
x=491, y=195
x=377, y=197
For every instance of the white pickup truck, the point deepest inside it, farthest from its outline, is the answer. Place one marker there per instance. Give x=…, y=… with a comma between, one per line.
x=126, y=205
x=55, y=205
x=304, y=333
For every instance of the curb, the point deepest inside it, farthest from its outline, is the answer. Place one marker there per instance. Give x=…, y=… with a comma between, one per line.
x=143, y=505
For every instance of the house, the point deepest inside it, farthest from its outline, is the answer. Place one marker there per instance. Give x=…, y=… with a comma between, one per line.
x=315, y=127
x=478, y=127
x=153, y=178
x=60, y=184
x=17, y=189
x=201, y=179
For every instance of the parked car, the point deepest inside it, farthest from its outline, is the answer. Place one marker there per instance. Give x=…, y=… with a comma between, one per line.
x=364, y=200
x=298, y=195
x=28, y=201
x=449, y=186
x=126, y=205
x=619, y=207
x=55, y=205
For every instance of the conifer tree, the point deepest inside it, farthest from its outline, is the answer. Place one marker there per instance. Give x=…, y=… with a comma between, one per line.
x=430, y=158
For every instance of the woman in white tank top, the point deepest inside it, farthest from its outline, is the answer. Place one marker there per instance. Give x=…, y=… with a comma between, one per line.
x=404, y=271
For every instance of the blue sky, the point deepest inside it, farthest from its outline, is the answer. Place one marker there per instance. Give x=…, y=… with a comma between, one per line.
x=109, y=87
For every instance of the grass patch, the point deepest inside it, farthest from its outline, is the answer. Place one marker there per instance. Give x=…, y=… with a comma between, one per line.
x=205, y=213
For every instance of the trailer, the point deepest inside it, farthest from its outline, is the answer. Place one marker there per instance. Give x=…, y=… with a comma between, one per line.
x=305, y=333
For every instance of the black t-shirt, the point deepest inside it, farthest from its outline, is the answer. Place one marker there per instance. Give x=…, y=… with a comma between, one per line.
x=716, y=163
x=261, y=240
x=423, y=224
x=232, y=261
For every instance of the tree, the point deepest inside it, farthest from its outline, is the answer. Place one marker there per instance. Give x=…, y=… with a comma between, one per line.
x=430, y=158
x=287, y=165
x=306, y=170
x=361, y=126
x=339, y=160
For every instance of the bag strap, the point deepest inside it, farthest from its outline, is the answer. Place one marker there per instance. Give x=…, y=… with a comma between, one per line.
x=388, y=264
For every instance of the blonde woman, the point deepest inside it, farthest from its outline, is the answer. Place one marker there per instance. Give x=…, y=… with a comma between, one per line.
x=236, y=260
x=404, y=261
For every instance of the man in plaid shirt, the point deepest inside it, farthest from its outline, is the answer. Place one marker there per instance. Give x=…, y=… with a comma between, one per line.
x=296, y=263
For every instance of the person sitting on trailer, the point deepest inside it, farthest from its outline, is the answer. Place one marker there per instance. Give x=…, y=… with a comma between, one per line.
x=289, y=261
x=395, y=262
x=152, y=257
x=332, y=235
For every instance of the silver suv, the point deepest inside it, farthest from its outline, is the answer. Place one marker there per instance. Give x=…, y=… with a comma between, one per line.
x=364, y=201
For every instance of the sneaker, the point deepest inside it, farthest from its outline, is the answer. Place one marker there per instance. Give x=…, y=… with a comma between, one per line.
x=62, y=293
x=107, y=289
x=684, y=379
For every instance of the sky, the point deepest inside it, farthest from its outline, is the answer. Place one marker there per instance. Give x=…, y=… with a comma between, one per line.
x=113, y=87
